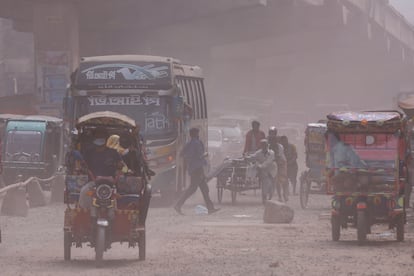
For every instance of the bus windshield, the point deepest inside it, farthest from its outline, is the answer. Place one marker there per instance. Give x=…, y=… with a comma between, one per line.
x=152, y=113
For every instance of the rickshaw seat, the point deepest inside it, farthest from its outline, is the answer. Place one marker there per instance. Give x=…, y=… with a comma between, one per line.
x=127, y=200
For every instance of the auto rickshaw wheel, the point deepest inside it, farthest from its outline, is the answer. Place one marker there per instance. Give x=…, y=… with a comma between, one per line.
x=67, y=244
x=100, y=245
x=336, y=228
x=400, y=228
x=141, y=245
x=361, y=227
x=304, y=190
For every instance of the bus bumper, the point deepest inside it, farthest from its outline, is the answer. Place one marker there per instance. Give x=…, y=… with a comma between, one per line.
x=164, y=179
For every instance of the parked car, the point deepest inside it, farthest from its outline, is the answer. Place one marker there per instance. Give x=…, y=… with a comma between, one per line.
x=232, y=141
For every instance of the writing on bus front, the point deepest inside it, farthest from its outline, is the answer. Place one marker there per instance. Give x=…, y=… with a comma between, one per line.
x=127, y=71
x=124, y=100
x=157, y=120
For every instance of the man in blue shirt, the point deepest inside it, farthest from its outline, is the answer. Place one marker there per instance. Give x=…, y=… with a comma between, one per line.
x=193, y=154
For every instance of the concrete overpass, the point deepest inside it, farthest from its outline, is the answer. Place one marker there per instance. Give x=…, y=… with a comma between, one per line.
x=293, y=52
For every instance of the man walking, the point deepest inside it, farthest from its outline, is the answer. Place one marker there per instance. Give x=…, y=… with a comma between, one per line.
x=193, y=154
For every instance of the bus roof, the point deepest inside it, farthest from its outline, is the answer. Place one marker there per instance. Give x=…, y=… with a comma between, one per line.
x=127, y=58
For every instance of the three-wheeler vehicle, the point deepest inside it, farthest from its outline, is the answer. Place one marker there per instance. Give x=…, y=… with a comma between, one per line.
x=366, y=171
x=313, y=180
x=32, y=146
x=119, y=204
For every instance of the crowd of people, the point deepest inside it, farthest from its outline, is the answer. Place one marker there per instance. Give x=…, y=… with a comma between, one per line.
x=285, y=157
x=276, y=160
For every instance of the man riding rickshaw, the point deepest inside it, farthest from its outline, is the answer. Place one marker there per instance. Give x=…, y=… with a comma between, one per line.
x=107, y=192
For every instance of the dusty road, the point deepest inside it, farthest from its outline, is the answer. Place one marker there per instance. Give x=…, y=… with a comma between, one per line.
x=233, y=241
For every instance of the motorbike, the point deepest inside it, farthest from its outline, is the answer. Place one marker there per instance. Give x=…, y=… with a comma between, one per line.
x=119, y=205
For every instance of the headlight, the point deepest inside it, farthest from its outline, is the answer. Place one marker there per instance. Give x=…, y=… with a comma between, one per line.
x=103, y=192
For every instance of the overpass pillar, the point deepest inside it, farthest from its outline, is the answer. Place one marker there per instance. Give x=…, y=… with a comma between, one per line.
x=56, y=40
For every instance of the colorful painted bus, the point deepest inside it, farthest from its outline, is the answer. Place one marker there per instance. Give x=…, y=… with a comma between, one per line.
x=164, y=96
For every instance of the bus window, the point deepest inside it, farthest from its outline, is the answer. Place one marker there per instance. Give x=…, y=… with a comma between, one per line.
x=191, y=97
x=196, y=99
x=202, y=99
x=203, y=94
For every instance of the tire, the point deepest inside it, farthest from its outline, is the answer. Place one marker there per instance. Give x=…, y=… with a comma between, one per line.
x=142, y=245
x=361, y=227
x=400, y=228
x=220, y=194
x=100, y=245
x=233, y=197
x=304, y=191
x=336, y=228
x=67, y=244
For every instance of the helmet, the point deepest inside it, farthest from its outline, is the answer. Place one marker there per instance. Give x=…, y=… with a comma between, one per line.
x=272, y=131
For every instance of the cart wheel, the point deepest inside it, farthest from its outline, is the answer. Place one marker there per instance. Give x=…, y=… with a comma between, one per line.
x=67, y=244
x=361, y=227
x=220, y=194
x=400, y=228
x=304, y=190
x=336, y=228
x=233, y=197
x=141, y=245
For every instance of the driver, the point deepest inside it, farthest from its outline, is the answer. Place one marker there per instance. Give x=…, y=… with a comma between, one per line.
x=101, y=161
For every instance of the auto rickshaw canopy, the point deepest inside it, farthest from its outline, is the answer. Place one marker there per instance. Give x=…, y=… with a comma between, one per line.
x=366, y=121
x=105, y=119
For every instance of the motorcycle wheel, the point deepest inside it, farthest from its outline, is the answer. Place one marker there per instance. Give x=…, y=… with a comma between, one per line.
x=400, y=228
x=67, y=244
x=336, y=228
x=141, y=245
x=361, y=227
x=100, y=245
x=304, y=190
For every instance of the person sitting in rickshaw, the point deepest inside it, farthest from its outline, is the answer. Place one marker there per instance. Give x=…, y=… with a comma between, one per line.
x=343, y=157
x=101, y=161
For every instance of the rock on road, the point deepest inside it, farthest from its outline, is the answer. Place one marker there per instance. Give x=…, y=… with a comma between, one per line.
x=233, y=241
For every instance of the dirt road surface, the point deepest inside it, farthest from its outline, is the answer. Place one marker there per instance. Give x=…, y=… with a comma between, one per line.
x=233, y=241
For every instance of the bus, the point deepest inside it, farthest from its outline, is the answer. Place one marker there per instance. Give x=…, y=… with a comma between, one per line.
x=164, y=96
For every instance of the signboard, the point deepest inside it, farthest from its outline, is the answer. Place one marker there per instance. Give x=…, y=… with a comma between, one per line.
x=121, y=75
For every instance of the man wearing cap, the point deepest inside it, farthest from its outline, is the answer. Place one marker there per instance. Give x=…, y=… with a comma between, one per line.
x=253, y=138
x=194, y=156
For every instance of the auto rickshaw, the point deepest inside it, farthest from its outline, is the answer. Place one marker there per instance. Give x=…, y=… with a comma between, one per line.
x=313, y=180
x=119, y=205
x=32, y=146
x=366, y=171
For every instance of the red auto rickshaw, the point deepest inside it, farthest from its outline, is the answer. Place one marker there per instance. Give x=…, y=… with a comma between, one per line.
x=366, y=171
